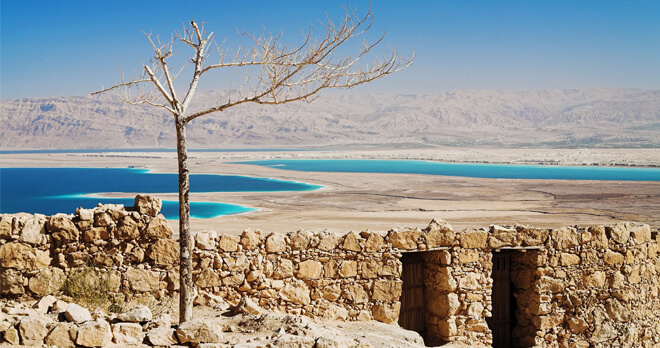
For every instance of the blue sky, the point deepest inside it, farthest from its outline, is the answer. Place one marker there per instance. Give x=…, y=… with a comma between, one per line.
x=66, y=47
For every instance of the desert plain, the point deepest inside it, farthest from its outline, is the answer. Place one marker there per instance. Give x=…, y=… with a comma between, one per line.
x=380, y=202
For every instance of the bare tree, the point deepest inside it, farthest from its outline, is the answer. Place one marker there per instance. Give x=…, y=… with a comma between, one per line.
x=271, y=73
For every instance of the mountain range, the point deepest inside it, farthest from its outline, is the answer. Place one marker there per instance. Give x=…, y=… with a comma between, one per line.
x=546, y=118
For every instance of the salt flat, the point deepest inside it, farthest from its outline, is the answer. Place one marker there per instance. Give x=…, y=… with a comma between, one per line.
x=379, y=202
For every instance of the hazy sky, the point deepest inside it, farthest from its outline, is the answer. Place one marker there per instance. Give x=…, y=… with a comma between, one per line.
x=65, y=47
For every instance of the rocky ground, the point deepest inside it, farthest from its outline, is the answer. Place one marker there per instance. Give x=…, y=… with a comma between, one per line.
x=54, y=322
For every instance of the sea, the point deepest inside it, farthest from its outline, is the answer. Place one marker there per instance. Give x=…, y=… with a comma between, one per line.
x=56, y=190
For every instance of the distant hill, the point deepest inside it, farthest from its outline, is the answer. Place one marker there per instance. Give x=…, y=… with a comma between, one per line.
x=550, y=118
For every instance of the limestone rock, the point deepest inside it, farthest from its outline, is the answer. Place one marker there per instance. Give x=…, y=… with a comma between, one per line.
x=77, y=314
x=246, y=306
x=11, y=282
x=577, y=325
x=62, y=229
x=569, y=259
x=565, y=238
x=127, y=333
x=6, y=228
x=85, y=214
x=205, y=240
x=62, y=335
x=137, y=314
x=158, y=228
x=594, y=280
x=640, y=233
x=374, y=242
x=369, y=269
x=619, y=232
x=47, y=281
x=11, y=336
x=102, y=219
x=142, y=280
x=470, y=281
x=473, y=239
x=162, y=336
x=22, y=256
x=199, y=331
x=147, y=205
x=229, y=242
x=296, y=292
x=165, y=252
x=439, y=233
x=531, y=236
x=351, y=242
x=251, y=239
x=32, y=331
x=275, y=243
x=405, y=240
x=127, y=228
x=329, y=242
x=616, y=310
x=44, y=304
x=284, y=269
x=96, y=233
x=444, y=305
x=94, y=333
x=613, y=258
x=356, y=293
x=348, y=269
x=207, y=278
x=386, y=290
x=300, y=240
x=310, y=269
x=386, y=312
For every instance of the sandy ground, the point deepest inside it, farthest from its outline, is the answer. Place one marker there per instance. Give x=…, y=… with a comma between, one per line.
x=379, y=202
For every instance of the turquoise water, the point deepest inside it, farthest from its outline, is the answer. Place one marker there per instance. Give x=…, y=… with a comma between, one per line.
x=496, y=171
x=62, y=190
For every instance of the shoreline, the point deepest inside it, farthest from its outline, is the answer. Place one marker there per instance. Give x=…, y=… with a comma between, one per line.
x=379, y=202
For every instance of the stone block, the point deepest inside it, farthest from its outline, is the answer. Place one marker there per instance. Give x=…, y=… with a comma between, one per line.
x=594, y=280
x=199, y=331
x=33, y=231
x=11, y=282
x=369, y=269
x=351, y=242
x=283, y=270
x=96, y=233
x=77, y=314
x=386, y=312
x=329, y=242
x=142, y=280
x=613, y=258
x=577, y=325
x=640, y=233
x=404, y=240
x=136, y=314
x=348, y=269
x=62, y=229
x=296, y=292
x=473, y=239
x=565, y=238
x=6, y=228
x=310, y=269
x=22, y=256
x=300, y=240
x=374, y=242
x=387, y=290
x=468, y=255
x=127, y=228
x=205, y=240
x=251, y=239
x=165, y=252
x=158, y=228
x=127, y=333
x=275, y=243
x=62, y=335
x=147, y=205
x=229, y=243
x=567, y=259
x=439, y=233
x=162, y=336
x=207, y=278
x=470, y=281
x=355, y=293
x=33, y=330
x=47, y=281
x=619, y=232
x=94, y=333
x=444, y=305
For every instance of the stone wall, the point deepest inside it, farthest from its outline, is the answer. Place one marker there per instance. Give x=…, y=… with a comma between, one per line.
x=575, y=287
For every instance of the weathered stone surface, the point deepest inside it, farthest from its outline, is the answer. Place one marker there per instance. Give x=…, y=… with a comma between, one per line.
x=385, y=290
x=165, y=252
x=85, y=214
x=405, y=240
x=565, y=238
x=284, y=269
x=310, y=269
x=44, y=304
x=616, y=310
x=577, y=325
x=594, y=280
x=348, y=269
x=369, y=269
x=473, y=239
x=468, y=255
x=11, y=335
x=62, y=335
x=162, y=336
x=619, y=232
x=136, y=314
x=22, y=256
x=251, y=239
x=470, y=281
x=94, y=333
x=300, y=240
x=127, y=228
x=329, y=242
x=569, y=259
x=275, y=243
x=127, y=333
x=229, y=242
x=351, y=242
x=444, y=305
x=640, y=233
x=331, y=292
x=142, y=280
x=356, y=294
x=296, y=292
x=96, y=233
x=551, y=284
x=603, y=332
x=47, y=281
x=77, y=314
x=62, y=229
x=475, y=310
x=11, y=282
x=207, y=278
x=386, y=312
x=6, y=229
x=158, y=228
x=32, y=331
x=199, y=331
x=147, y=205
x=374, y=242
x=439, y=233
x=613, y=258
x=33, y=231
x=246, y=306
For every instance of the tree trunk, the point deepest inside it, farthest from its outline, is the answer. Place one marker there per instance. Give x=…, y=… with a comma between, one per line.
x=187, y=289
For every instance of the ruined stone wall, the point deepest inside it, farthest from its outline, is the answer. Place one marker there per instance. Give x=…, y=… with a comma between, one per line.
x=349, y=277
x=575, y=287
